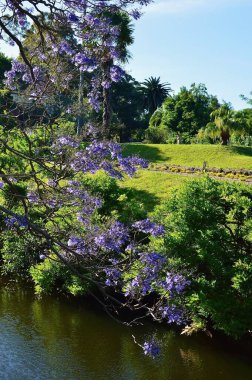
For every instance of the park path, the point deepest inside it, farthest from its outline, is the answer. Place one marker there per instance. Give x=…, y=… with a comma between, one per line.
x=198, y=174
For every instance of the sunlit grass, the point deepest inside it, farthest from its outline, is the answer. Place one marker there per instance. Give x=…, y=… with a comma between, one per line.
x=152, y=187
x=233, y=157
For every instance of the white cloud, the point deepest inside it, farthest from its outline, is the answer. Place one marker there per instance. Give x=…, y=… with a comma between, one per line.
x=178, y=6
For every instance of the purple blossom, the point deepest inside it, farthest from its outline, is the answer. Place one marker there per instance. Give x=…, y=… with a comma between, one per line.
x=106, y=84
x=151, y=348
x=83, y=59
x=64, y=47
x=132, y=247
x=100, y=155
x=67, y=141
x=175, y=283
x=114, y=238
x=27, y=78
x=32, y=197
x=135, y=14
x=109, y=168
x=73, y=241
x=172, y=313
x=22, y=19
x=132, y=287
x=116, y=73
x=52, y=182
x=53, y=203
x=147, y=226
x=73, y=18
x=113, y=276
x=129, y=164
x=154, y=262
x=82, y=246
x=17, y=220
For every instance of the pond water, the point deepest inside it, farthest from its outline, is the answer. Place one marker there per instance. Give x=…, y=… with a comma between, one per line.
x=56, y=338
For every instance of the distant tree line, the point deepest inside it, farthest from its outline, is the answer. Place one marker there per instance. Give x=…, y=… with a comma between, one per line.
x=147, y=111
x=192, y=116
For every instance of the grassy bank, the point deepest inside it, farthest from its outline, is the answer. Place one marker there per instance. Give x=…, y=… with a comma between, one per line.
x=234, y=157
x=152, y=187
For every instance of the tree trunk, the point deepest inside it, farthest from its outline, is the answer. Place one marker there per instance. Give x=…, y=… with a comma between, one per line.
x=225, y=136
x=106, y=116
x=80, y=119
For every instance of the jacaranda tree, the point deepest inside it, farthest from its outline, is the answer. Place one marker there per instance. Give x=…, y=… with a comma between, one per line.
x=43, y=167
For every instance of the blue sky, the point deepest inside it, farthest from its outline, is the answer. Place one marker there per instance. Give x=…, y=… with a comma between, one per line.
x=201, y=41
x=207, y=41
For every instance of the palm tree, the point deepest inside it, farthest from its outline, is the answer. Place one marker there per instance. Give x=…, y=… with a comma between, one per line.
x=154, y=93
x=224, y=121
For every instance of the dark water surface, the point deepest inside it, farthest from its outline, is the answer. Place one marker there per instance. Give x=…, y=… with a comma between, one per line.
x=59, y=339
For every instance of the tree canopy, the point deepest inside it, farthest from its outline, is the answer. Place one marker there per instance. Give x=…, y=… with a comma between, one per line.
x=185, y=112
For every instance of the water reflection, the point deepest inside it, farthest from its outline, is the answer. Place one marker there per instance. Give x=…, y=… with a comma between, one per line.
x=58, y=339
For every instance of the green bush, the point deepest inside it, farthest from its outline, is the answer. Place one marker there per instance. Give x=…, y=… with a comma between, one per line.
x=52, y=275
x=18, y=252
x=156, y=135
x=103, y=186
x=117, y=201
x=209, y=235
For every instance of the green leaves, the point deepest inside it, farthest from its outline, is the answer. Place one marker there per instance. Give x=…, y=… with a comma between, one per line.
x=209, y=227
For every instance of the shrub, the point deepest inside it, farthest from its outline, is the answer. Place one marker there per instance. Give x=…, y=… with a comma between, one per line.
x=209, y=234
x=51, y=275
x=18, y=252
x=123, y=203
x=156, y=135
x=104, y=186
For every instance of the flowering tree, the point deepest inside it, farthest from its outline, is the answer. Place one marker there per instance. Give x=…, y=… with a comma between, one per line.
x=97, y=49
x=43, y=170
x=44, y=195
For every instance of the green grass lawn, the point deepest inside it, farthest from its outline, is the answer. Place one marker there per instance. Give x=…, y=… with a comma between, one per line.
x=152, y=187
x=231, y=157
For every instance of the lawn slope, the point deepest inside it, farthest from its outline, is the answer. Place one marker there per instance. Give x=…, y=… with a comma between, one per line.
x=225, y=157
x=152, y=187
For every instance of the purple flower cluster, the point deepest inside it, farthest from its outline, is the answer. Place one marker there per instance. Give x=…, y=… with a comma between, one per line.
x=113, y=276
x=67, y=141
x=18, y=221
x=149, y=227
x=116, y=73
x=114, y=238
x=83, y=199
x=21, y=71
x=152, y=265
x=129, y=164
x=52, y=183
x=96, y=240
x=153, y=261
x=33, y=197
x=132, y=289
x=172, y=314
x=151, y=348
x=175, y=283
x=106, y=156
x=82, y=246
